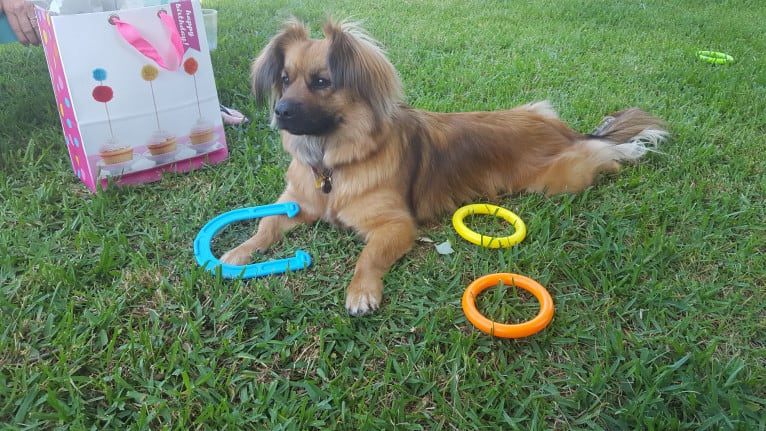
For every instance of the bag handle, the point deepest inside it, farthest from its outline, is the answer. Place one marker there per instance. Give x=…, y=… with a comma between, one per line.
x=133, y=37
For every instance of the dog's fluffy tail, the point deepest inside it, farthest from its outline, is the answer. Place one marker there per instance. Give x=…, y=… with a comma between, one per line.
x=629, y=135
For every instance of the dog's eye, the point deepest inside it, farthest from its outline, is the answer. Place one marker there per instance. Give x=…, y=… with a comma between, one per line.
x=320, y=83
x=285, y=79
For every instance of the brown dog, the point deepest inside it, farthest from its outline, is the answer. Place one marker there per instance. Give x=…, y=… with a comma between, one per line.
x=363, y=159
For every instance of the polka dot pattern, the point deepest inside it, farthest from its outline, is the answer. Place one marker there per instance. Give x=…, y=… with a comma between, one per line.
x=63, y=100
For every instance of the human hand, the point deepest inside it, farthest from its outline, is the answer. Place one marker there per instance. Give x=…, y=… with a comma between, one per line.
x=21, y=16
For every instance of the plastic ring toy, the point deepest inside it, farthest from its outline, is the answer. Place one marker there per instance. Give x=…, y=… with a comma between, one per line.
x=488, y=241
x=205, y=257
x=525, y=329
x=715, y=57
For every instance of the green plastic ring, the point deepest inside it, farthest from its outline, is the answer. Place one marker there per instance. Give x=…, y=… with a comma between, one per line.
x=715, y=57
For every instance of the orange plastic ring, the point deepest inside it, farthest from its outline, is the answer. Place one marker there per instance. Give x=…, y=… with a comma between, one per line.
x=525, y=329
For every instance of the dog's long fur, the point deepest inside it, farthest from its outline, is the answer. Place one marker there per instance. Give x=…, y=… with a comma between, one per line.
x=338, y=102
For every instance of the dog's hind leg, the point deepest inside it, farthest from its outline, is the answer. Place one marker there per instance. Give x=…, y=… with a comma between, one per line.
x=573, y=170
x=623, y=137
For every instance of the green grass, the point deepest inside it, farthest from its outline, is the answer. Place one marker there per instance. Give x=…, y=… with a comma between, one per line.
x=657, y=273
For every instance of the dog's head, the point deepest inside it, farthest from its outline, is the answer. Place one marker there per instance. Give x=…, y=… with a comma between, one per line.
x=313, y=84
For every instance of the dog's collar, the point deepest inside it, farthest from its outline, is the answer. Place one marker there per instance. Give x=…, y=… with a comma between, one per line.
x=322, y=179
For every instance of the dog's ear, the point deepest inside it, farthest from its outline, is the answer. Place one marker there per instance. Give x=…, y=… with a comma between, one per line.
x=358, y=63
x=266, y=70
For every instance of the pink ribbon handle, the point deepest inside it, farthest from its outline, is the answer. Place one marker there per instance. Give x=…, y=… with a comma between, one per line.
x=133, y=37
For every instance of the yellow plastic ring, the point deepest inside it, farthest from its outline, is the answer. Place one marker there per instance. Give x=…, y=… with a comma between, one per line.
x=488, y=241
x=525, y=329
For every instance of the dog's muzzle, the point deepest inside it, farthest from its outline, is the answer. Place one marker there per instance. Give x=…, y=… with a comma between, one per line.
x=297, y=118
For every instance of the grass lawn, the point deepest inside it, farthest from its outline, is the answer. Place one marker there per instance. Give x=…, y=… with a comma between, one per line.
x=658, y=272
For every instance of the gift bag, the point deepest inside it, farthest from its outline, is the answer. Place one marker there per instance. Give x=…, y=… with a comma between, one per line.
x=135, y=91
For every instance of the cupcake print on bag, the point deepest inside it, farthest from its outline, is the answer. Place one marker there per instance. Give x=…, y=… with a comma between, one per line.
x=202, y=136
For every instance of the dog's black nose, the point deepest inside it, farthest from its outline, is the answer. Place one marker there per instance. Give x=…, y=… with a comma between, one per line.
x=284, y=110
x=298, y=118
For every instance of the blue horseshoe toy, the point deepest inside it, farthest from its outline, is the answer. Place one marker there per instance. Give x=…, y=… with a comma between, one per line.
x=205, y=257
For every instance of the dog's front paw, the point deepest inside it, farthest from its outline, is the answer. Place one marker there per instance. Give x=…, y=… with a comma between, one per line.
x=237, y=256
x=364, y=298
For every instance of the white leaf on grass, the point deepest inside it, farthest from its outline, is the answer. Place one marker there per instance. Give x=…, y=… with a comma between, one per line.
x=444, y=248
